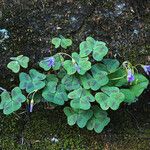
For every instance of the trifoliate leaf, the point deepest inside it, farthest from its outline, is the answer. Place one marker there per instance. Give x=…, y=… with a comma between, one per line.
x=70, y=82
x=77, y=64
x=98, y=121
x=79, y=117
x=55, y=94
x=98, y=48
x=84, y=66
x=17, y=62
x=63, y=42
x=32, y=81
x=111, y=97
x=81, y=99
x=23, y=61
x=99, y=51
x=10, y=103
x=101, y=77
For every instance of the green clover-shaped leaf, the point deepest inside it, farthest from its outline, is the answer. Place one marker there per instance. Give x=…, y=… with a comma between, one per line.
x=14, y=66
x=32, y=81
x=86, y=46
x=98, y=121
x=98, y=48
x=69, y=66
x=129, y=95
x=16, y=62
x=70, y=82
x=110, y=89
x=77, y=64
x=51, y=77
x=80, y=117
x=111, y=64
x=55, y=93
x=10, y=103
x=81, y=99
x=61, y=73
x=110, y=97
x=86, y=80
x=98, y=79
x=140, y=83
x=99, y=51
x=84, y=66
x=63, y=42
x=56, y=42
x=66, y=43
x=96, y=68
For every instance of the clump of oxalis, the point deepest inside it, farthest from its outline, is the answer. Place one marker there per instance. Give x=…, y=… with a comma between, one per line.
x=86, y=83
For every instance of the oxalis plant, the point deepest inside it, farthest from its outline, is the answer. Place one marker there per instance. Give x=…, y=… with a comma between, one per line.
x=86, y=83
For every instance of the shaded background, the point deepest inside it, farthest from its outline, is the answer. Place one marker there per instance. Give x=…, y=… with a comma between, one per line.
x=123, y=24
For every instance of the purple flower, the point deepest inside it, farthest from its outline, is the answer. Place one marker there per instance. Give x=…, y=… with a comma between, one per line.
x=31, y=105
x=50, y=61
x=130, y=76
x=77, y=67
x=146, y=69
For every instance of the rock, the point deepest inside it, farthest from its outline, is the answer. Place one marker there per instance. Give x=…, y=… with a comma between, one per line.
x=32, y=24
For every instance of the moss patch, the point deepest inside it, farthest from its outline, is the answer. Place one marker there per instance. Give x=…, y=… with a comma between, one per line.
x=43, y=126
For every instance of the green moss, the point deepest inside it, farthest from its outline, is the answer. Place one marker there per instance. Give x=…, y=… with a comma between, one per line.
x=122, y=133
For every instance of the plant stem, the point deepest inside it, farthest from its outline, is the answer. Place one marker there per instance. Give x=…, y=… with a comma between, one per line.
x=34, y=94
x=118, y=78
x=138, y=65
x=65, y=54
